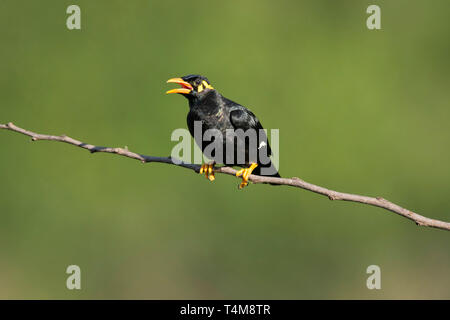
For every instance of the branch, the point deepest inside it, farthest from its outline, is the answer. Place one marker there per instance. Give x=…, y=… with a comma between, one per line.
x=293, y=182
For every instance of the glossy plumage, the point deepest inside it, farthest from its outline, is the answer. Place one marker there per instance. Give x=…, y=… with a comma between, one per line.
x=214, y=111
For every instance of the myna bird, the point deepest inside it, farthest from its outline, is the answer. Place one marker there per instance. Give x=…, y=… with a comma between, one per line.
x=213, y=111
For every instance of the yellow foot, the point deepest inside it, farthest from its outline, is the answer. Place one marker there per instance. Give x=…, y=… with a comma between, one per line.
x=245, y=173
x=208, y=170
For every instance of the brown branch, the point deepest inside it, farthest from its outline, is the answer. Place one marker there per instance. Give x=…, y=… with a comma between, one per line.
x=293, y=182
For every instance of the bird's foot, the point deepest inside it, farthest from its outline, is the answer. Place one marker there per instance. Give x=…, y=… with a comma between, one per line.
x=245, y=173
x=208, y=170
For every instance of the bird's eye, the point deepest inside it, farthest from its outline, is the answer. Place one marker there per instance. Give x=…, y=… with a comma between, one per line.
x=202, y=85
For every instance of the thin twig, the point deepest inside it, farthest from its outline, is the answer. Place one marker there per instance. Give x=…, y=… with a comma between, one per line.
x=293, y=182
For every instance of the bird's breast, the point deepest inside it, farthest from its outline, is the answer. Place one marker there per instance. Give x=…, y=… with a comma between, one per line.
x=210, y=118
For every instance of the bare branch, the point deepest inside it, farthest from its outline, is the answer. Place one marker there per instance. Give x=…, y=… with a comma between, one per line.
x=293, y=182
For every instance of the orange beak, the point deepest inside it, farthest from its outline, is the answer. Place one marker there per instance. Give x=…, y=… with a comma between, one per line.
x=186, y=86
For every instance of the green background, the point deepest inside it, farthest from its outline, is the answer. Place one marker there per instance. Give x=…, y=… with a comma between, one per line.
x=358, y=111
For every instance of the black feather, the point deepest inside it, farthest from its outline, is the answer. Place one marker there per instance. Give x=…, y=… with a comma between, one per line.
x=217, y=112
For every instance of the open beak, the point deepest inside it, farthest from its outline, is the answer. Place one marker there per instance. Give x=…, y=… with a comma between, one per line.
x=186, y=87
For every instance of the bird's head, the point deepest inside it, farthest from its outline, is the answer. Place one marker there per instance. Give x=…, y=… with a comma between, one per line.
x=192, y=86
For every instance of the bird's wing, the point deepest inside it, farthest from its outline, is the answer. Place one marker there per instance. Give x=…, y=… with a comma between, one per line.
x=242, y=118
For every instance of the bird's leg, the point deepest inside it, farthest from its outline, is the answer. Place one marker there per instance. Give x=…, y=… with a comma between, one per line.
x=208, y=170
x=245, y=173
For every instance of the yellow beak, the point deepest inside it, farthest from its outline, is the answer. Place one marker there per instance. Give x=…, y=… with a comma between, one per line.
x=186, y=86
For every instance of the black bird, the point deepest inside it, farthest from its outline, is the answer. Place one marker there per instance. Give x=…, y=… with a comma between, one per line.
x=211, y=110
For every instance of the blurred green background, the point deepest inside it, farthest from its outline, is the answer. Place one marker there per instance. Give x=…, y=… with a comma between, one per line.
x=358, y=111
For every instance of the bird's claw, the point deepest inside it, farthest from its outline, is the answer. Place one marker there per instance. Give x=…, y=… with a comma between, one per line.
x=208, y=170
x=245, y=173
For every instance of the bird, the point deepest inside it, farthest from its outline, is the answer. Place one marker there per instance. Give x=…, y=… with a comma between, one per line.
x=213, y=111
